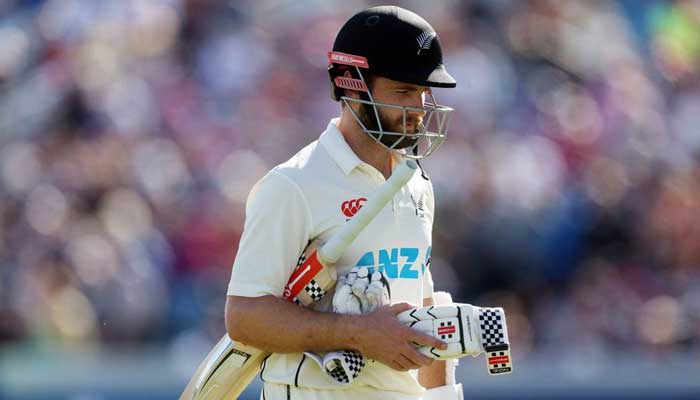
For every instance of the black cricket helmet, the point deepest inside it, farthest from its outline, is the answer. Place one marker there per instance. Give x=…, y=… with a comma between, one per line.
x=397, y=44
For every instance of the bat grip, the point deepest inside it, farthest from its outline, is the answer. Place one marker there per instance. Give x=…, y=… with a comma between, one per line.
x=336, y=246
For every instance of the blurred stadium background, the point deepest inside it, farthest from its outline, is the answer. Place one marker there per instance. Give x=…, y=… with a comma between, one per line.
x=568, y=190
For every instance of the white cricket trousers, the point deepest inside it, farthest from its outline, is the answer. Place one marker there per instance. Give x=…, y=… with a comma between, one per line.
x=272, y=391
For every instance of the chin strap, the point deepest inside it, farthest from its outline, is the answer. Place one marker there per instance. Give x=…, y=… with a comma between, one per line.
x=422, y=171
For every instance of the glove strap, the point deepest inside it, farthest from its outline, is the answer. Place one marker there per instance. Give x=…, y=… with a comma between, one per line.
x=493, y=339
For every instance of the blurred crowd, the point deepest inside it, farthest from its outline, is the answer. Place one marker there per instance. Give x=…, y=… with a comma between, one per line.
x=568, y=190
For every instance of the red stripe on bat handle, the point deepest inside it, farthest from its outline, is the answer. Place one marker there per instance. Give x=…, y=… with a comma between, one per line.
x=302, y=276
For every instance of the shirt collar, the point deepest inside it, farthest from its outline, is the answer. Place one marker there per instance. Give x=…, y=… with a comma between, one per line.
x=334, y=143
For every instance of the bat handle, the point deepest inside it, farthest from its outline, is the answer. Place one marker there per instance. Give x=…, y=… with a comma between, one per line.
x=336, y=246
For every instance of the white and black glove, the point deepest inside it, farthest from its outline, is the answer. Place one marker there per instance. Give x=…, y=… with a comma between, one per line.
x=356, y=293
x=451, y=390
x=342, y=366
x=467, y=330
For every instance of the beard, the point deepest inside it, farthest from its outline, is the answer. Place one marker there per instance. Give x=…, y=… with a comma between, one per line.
x=369, y=120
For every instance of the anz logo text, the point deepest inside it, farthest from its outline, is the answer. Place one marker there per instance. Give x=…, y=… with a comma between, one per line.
x=402, y=263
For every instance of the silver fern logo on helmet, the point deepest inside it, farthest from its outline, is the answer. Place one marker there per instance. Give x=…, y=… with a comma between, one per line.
x=424, y=40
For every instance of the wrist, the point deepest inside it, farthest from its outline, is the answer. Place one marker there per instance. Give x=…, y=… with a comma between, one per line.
x=349, y=331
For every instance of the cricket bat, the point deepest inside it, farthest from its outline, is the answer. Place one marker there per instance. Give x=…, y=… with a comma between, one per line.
x=230, y=366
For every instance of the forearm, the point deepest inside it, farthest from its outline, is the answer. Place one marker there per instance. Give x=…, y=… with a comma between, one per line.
x=273, y=324
x=432, y=375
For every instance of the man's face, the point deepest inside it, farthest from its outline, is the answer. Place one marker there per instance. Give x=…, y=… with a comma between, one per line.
x=394, y=92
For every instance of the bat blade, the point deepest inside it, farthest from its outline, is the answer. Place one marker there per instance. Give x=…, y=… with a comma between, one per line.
x=226, y=371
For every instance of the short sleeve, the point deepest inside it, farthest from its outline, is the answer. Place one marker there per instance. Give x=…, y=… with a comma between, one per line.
x=277, y=228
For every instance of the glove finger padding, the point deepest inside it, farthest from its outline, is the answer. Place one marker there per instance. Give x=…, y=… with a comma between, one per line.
x=355, y=293
x=377, y=293
x=358, y=293
x=351, y=277
x=467, y=330
x=360, y=286
x=345, y=302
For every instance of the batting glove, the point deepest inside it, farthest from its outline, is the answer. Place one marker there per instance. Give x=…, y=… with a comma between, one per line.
x=361, y=293
x=467, y=330
x=356, y=293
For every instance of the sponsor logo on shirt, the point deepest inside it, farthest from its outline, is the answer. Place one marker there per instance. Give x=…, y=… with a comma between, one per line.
x=351, y=207
x=396, y=263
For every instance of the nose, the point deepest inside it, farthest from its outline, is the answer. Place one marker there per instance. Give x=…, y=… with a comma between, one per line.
x=417, y=102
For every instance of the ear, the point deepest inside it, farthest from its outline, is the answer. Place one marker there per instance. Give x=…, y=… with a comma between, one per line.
x=353, y=94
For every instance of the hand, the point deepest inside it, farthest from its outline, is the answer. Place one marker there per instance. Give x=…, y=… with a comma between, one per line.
x=467, y=330
x=382, y=337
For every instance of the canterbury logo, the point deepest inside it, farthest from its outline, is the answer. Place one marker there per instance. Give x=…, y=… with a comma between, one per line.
x=351, y=207
x=424, y=40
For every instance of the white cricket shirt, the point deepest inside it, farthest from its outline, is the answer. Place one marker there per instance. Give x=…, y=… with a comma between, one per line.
x=310, y=196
